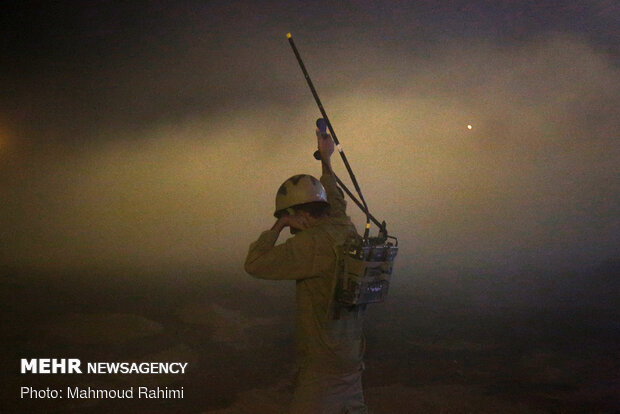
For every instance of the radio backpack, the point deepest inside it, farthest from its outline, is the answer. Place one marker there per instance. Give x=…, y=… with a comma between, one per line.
x=365, y=264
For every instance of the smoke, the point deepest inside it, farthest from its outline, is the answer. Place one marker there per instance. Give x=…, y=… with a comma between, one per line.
x=534, y=183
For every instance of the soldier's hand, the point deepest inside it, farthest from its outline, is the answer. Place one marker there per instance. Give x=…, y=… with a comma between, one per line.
x=294, y=221
x=325, y=145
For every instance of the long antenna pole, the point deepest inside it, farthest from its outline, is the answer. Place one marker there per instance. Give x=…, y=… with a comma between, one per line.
x=360, y=205
x=331, y=130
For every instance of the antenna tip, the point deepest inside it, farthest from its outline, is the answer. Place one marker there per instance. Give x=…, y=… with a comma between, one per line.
x=288, y=36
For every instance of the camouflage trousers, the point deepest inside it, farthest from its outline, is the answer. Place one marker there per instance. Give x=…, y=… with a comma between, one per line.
x=322, y=393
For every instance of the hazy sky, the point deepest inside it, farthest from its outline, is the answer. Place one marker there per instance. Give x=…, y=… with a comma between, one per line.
x=144, y=135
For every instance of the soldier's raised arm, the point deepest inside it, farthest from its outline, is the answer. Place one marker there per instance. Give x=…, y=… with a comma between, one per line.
x=338, y=205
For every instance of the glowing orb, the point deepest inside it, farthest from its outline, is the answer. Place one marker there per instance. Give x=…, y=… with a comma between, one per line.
x=468, y=126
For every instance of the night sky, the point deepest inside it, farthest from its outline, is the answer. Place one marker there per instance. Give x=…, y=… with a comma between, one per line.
x=145, y=135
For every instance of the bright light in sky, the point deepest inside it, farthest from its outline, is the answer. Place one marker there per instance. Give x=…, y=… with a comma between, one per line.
x=468, y=126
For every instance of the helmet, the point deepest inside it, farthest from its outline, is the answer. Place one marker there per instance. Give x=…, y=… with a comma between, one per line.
x=299, y=189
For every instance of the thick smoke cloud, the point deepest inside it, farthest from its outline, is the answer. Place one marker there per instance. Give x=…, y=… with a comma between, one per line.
x=533, y=184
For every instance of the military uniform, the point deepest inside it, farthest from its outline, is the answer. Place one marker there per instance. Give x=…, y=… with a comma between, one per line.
x=330, y=341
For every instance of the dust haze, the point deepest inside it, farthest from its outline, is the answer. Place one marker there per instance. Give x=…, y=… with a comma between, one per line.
x=141, y=146
x=533, y=184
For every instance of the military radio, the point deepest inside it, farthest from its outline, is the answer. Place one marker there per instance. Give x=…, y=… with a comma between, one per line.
x=364, y=263
x=365, y=270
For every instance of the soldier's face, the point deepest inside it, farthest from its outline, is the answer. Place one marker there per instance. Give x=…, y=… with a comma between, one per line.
x=307, y=219
x=295, y=230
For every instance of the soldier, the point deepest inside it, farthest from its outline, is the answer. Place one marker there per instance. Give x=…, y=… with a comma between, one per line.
x=329, y=338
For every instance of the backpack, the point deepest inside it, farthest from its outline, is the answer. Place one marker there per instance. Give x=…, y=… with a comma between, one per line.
x=364, y=270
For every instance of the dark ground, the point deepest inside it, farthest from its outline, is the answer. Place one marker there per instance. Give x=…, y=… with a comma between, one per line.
x=425, y=354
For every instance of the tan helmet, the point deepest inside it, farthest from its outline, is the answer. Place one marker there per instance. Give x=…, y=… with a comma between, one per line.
x=299, y=189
